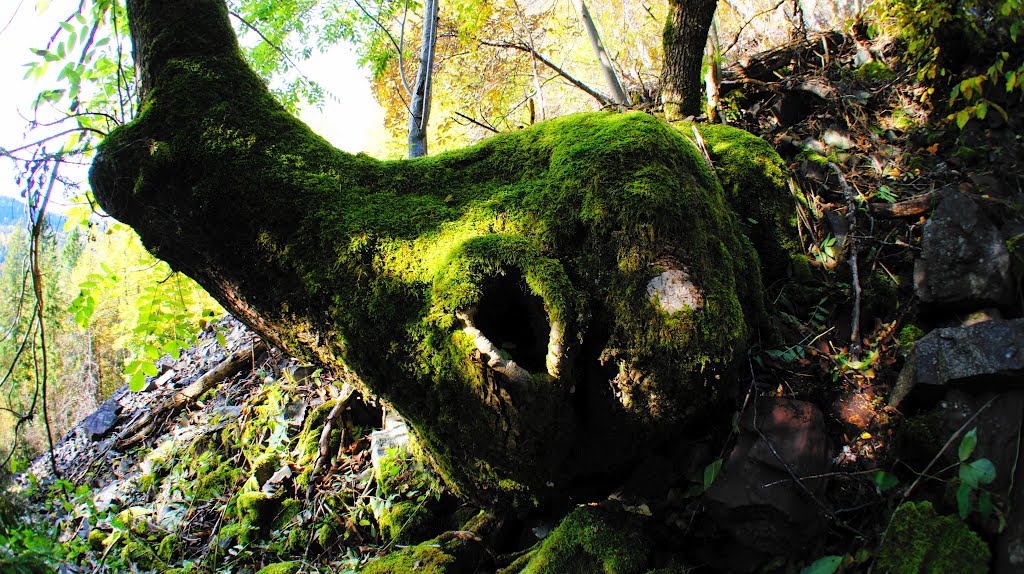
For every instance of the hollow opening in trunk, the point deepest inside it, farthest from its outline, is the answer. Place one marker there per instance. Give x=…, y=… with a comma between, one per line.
x=514, y=320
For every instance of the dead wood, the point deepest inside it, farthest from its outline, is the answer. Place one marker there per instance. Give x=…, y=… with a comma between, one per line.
x=142, y=427
x=912, y=207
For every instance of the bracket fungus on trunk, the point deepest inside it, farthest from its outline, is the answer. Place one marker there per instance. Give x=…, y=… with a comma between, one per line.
x=497, y=296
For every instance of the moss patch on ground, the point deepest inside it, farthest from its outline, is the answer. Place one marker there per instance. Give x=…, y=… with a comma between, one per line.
x=918, y=540
x=587, y=541
x=755, y=180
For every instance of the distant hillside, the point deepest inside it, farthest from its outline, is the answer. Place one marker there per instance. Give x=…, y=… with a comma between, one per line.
x=14, y=213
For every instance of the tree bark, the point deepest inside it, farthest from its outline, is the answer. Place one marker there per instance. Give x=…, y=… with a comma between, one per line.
x=610, y=77
x=684, y=38
x=544, y=308
x=419, y=109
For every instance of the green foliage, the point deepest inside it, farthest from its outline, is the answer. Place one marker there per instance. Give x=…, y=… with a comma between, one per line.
x=973, y=475
x=884, y=481
x=940, y=32
x=824, y=565
x=134, y=305
x=918, y=540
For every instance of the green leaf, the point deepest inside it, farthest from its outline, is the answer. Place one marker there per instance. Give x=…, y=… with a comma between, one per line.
x=221, y=340
x=137, y=382
x=149, y=369
x=963, y=499
x=985, y=506
x=962, y=117
x=171, y=348
x=884, y=481
x=978, y=472
x=711, y=472
x=967, y=444
x=824, y=565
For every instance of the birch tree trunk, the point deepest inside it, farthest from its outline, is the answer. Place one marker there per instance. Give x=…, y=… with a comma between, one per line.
x=419, y=108
x=618, y=95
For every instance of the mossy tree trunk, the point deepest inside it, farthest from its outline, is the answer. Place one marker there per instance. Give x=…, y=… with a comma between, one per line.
x=684, y=38
x=543, y=308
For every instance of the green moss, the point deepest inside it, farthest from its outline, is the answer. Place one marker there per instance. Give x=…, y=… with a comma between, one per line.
x=96, y=538
x=265, y=466
x=587, y=541
x=407, y=522
x=253, y=511
x=170, y=546
x=909, y=335
x=308, y=441
x=146, y=481
x=920, y=541
x=756, y=184
x=874, y=71
x=290, y=508
x=442, y=555
x=216, y=480
x=281, y=568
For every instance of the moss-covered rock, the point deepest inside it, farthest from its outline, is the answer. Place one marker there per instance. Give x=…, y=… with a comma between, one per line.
x=458, y=552
x=406, y=522
x=918, y=540
x=537, y=306
x=281, y=568
x=253, y=513
x=756, y=182
x=587, y=541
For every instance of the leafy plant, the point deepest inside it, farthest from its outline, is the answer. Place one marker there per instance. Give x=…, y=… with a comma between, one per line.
x=973, y=475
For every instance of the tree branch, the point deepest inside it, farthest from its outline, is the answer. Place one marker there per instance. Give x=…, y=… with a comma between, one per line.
x=601, y=98
x=475, y=122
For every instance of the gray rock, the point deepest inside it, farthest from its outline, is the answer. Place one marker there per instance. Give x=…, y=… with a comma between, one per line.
x=755, y=500
x=990, y=350
x=964, y=261
x=838, y=138
x=99, y=423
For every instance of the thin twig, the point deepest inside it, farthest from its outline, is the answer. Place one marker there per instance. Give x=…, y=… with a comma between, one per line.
x=8, y=152
x=395, y=43
x=749, y=20
x=601, y=98
x=272, y=45
x=851, y=218
x=476, y=122
x=946, y=446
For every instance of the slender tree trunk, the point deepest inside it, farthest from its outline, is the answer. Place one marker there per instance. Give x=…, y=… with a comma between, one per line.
x=713, y=76
x=685, y=35
x=419, y=109
x=610, y=77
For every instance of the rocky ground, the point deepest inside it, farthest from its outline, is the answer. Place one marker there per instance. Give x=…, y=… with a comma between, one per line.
x=880, y=431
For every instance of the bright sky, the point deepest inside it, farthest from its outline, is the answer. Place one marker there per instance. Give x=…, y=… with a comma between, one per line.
x=350, y=119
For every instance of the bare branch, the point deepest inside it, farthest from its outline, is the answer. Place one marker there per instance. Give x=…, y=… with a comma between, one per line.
x=395, y=43
x=601, y=98
x=7, y=152
x=272, y=45
x=476, y=122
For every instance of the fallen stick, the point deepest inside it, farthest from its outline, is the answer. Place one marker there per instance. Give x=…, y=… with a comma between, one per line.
x=234, y=363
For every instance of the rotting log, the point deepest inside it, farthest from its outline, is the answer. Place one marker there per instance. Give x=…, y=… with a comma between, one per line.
x=544, y=308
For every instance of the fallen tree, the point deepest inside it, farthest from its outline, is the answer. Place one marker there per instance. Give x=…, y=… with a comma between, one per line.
x=544, y=308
